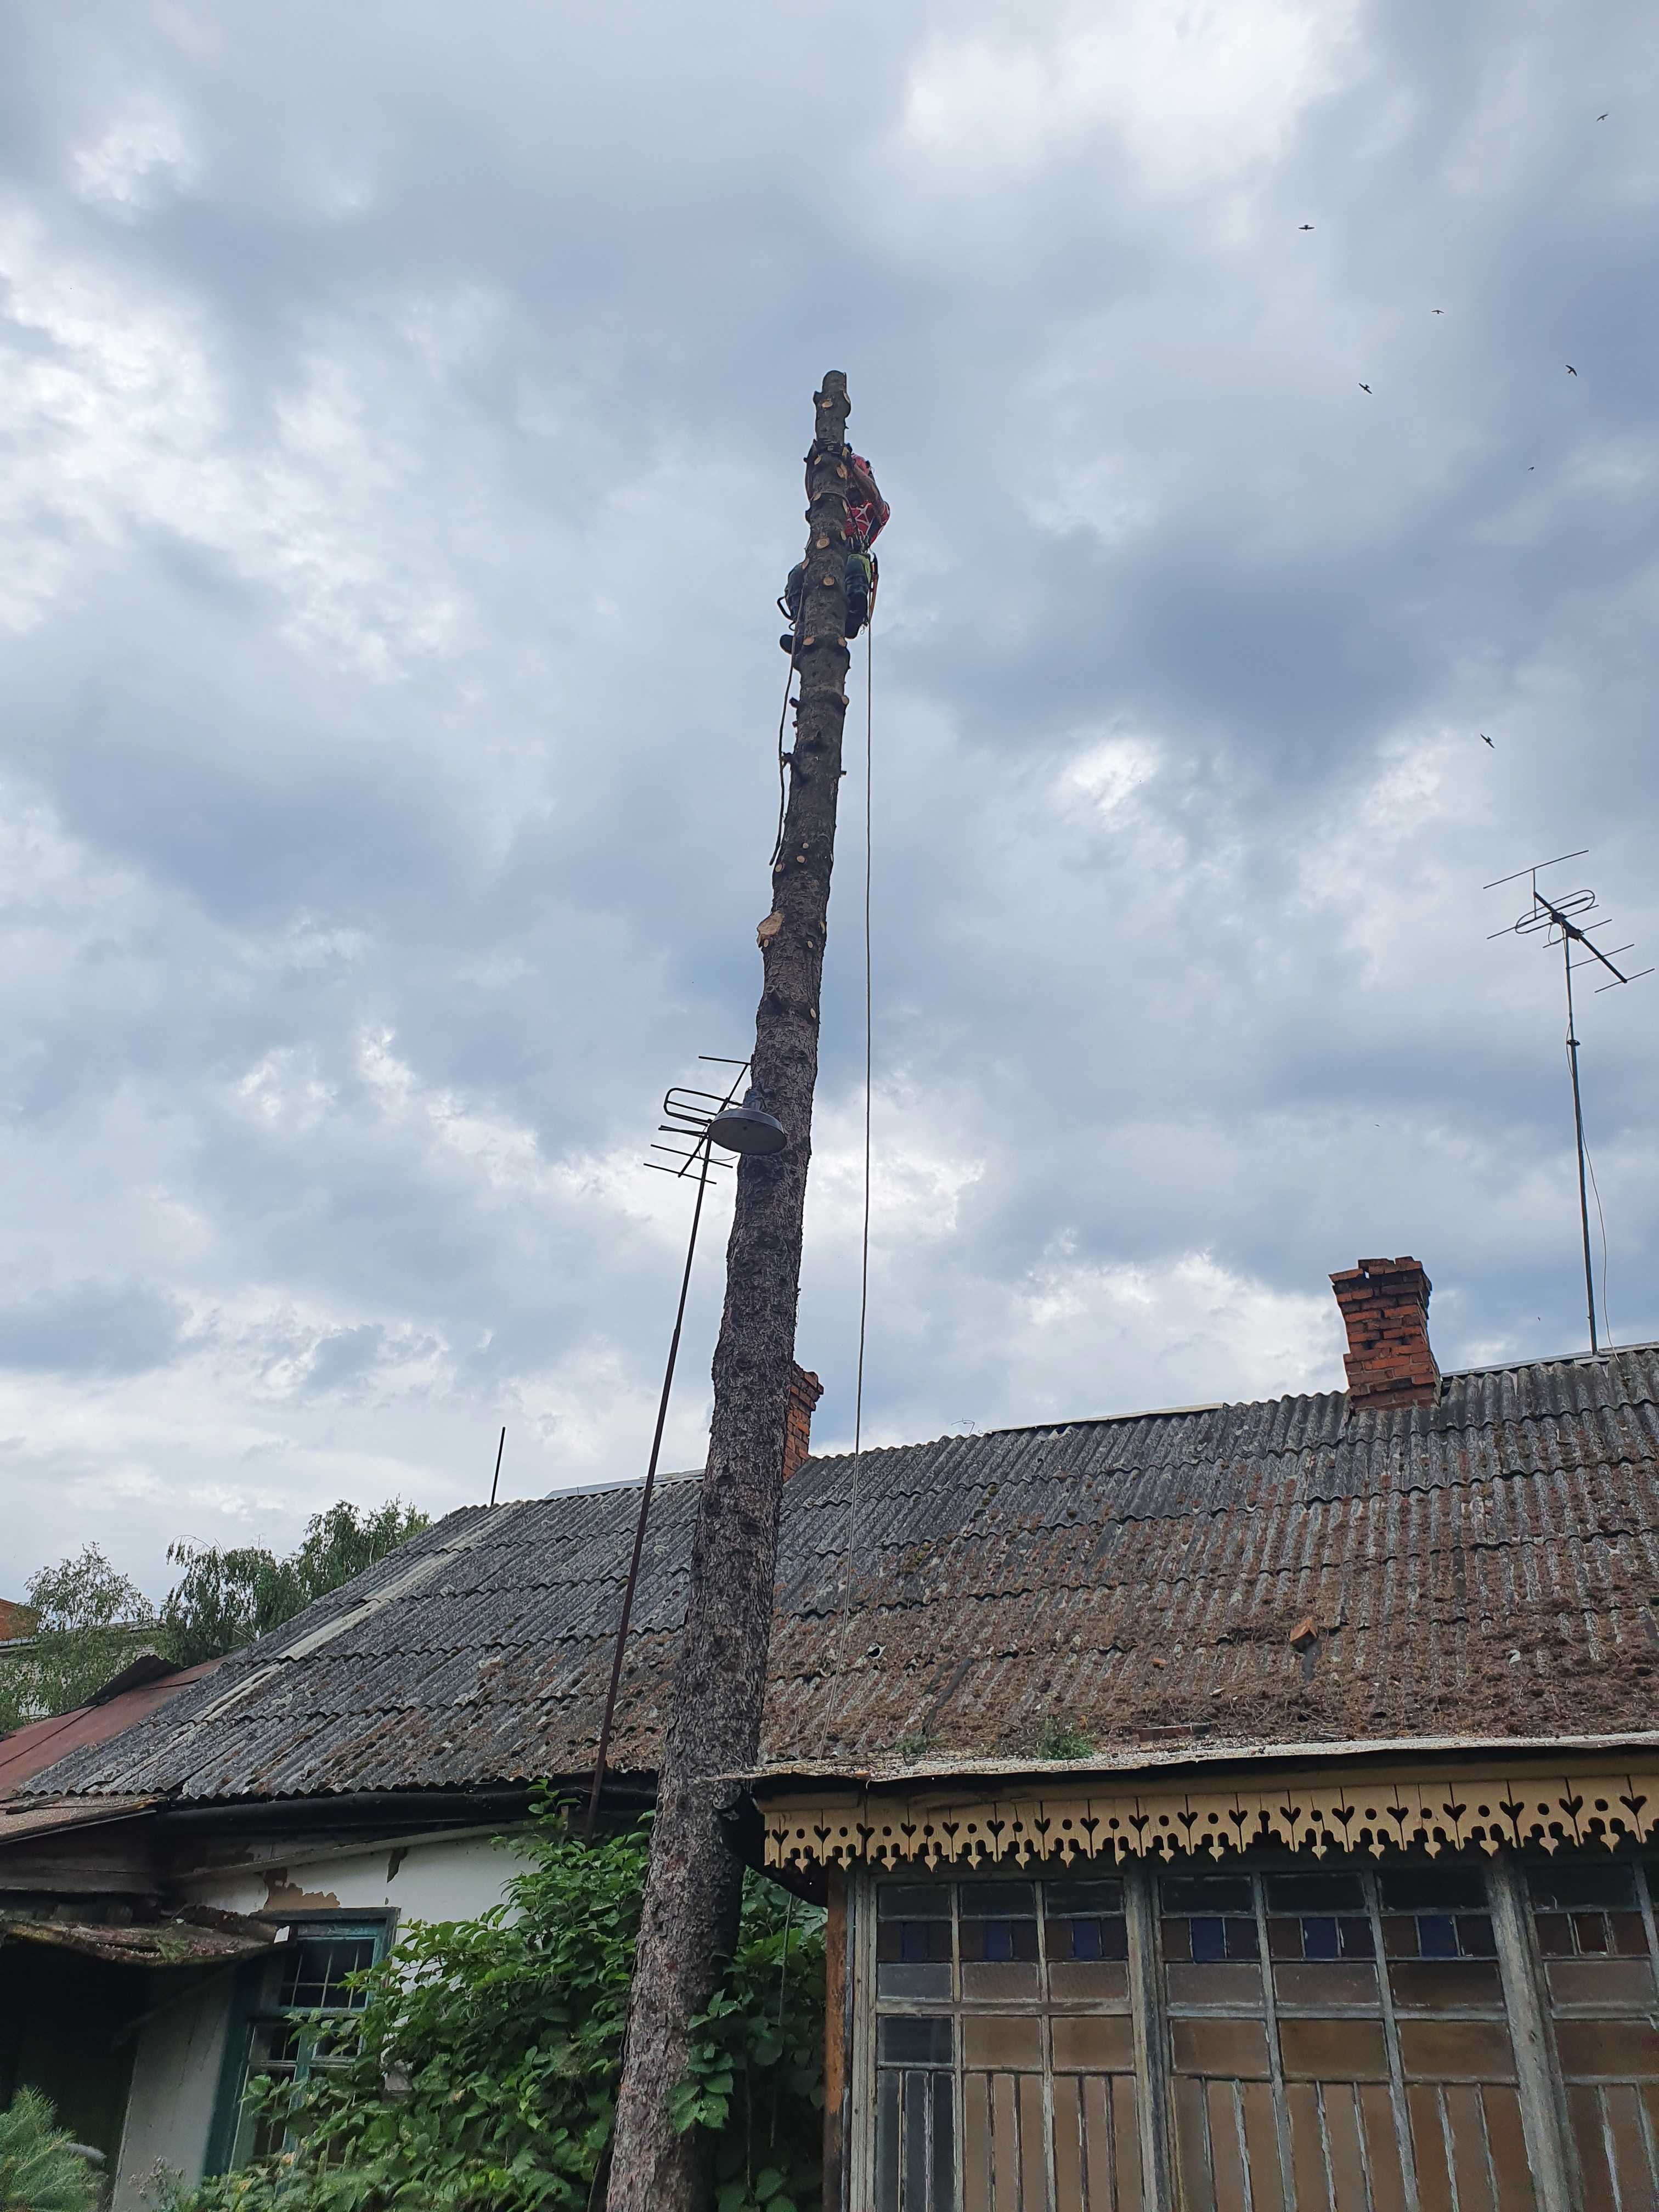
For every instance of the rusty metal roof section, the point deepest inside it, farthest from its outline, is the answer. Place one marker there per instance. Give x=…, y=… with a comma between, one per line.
x=1233, y=1578
x=138, y=1689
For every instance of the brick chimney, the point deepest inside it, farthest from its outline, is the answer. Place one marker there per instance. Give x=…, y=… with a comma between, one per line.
x=1385, y=1304
x=805, y=1391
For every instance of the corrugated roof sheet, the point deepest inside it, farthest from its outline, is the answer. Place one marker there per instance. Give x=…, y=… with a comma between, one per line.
x=39, y=1744
x=1482, y=1569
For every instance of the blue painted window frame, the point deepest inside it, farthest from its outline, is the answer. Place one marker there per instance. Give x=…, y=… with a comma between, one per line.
x=249, y=2011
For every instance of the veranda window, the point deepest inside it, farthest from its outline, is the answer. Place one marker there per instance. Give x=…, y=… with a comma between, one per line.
x=1265, y=2037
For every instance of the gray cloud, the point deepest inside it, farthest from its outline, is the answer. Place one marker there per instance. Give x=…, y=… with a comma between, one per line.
x=403, y=415
x=91, y=1329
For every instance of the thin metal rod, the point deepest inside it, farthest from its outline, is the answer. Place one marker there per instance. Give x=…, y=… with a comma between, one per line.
x=632, y=1583
x=1536, y=867
x=1578, y=1131
x=500, y=1448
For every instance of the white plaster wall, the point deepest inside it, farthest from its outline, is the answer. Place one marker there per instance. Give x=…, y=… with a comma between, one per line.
x=177, y=2066
x=446, y=1878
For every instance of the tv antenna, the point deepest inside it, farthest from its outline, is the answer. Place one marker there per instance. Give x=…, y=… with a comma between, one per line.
x=698, y=1120
x=1554, y=918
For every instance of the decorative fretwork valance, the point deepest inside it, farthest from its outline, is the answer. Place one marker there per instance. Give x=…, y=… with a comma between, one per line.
x=1424, y=1807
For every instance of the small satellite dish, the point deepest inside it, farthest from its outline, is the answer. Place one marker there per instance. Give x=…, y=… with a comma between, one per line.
x=746, y=1129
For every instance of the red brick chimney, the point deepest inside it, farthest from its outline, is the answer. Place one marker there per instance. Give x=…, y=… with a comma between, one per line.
x=1385, y=1304
x=805, y=1391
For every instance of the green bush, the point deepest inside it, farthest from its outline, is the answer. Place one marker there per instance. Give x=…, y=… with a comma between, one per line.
x=480, y=2075
x=42, y=2169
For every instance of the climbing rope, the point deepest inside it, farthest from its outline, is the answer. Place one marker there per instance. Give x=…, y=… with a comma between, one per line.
x=864, y=1243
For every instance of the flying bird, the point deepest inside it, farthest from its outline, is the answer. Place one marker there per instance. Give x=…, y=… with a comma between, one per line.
x=1437, y=311
x=1603, y=116
x=1486, y=740
x=1365, y=387
x=1305, y=225
x=1571, y=370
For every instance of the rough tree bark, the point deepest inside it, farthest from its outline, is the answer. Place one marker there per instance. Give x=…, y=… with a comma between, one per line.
x=694, y=1883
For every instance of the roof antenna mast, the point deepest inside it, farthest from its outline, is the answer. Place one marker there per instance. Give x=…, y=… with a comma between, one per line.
x=1554, y=918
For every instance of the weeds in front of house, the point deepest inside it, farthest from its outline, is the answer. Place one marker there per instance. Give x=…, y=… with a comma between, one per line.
x=480, y=2073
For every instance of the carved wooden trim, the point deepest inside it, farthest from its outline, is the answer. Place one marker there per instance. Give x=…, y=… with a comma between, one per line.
x=1433, y=1809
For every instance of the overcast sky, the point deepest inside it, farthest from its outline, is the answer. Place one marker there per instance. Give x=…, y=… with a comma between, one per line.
x=401, y=411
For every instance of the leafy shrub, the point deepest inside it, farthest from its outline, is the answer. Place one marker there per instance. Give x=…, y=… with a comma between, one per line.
x=480, y=2075
x=42, y=2168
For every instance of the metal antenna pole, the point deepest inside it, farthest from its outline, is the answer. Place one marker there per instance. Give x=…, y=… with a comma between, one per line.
x=1579, y=1132
x=632, y=1583
x=1554, y=918
x=496, y=1477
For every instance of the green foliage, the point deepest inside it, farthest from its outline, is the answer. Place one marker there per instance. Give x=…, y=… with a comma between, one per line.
x=41, y=2168
x=91, y=1621
x=755, y=2076
x=1059, y=1739
x=227, y=1595
x=94, y=1620
x=479, y=2076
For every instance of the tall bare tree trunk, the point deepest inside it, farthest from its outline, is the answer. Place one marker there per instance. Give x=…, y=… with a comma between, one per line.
x=694, y=1884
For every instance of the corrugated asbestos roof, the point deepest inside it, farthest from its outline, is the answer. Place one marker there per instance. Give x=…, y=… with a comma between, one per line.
x=1483, y=1569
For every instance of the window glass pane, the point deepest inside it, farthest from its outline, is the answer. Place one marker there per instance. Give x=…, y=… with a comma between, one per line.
x=1315, y=1893
x=1628, y=1934
x=1580, y=1883
x=914, y=1900
x=1060, y=1898
x=1333, y=1982
x=998, y=1899
x=1209, y=1939
x=1319, y=1938
x=1443, y=1985
x=312, y=1975
x=998, y=1939
x=1433, y=1889
x=1106, y=1938
x=1355, y=1938
x=913, y=1940
x=1238, y=1988
x=1206, y=1893
x=1436, y=1936
x=901, y=1981
x=901, y=2042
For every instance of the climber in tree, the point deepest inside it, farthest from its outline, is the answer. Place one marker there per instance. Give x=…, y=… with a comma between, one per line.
x=866, y=518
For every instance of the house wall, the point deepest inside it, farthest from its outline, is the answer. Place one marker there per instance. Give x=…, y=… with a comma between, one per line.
x=1343, y=2033
x=179, y=2062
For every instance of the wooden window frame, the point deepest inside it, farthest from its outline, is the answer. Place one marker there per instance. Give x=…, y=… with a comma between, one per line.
x=248, y=2013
